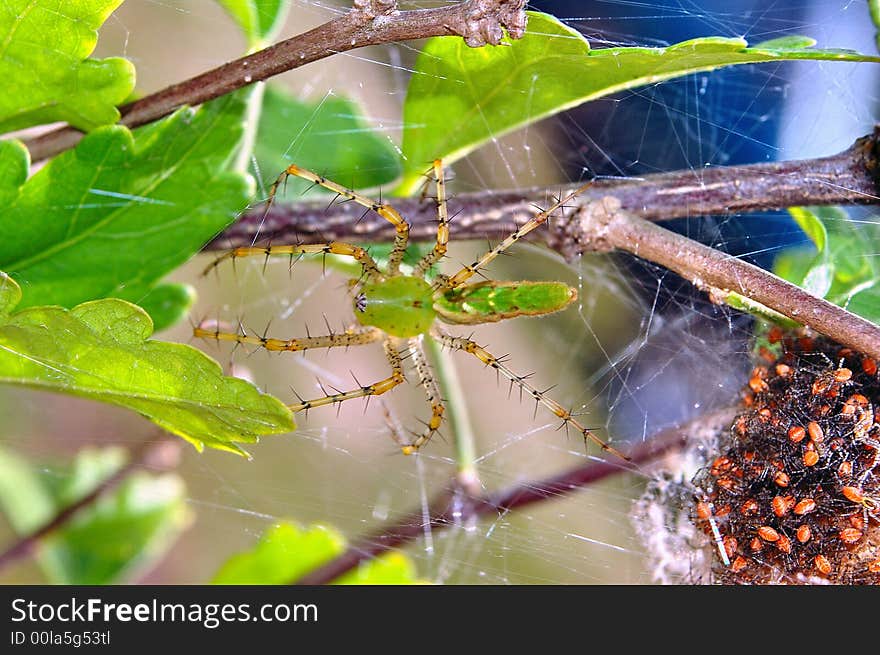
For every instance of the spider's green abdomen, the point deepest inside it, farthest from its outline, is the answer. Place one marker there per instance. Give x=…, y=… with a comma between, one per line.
x=488, y=302
x=401, y=306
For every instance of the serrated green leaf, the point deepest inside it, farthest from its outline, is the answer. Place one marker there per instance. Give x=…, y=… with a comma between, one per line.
x=287, y=552
x=126, y=529
x=461, y=97
x=329, y=136
x=100, y=350
x=260, y=20
x=116, y=214
x=44, y=45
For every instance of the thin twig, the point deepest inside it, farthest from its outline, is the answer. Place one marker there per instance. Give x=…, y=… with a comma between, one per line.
x=847, y=178
x=370, y=22
x=603, y=226
x=452, y=507
x=153, y=454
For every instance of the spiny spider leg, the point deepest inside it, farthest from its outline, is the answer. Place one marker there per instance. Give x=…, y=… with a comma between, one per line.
x=375, y=389
x=439, y=250
x=462, y=276
x=333, y=248
x=432, y=393
x=351, y=337
x=470, y=346
x=386, y=211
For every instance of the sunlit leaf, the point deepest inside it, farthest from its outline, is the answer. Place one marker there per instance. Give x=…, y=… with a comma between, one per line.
x=119, y=212
x=101, y=350
x=459, y=97
x=47, y=76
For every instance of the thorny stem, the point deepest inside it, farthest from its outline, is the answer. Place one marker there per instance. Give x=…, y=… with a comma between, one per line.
x=615, y=214
x=453, y=507
x=370, y=22
x=154, y=453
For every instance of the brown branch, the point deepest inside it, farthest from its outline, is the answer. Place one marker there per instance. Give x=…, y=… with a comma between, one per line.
x=611, y=216
x=452, y=507
x=846, y=178
x=603, y=226
x=152, y=454
x=370, y=22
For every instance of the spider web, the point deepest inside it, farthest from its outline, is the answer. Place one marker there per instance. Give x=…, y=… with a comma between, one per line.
x=639, y=351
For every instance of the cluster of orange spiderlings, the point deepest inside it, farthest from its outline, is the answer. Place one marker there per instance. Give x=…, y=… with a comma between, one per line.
x=796, y=495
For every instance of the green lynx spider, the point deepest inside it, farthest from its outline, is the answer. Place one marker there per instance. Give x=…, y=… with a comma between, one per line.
x=400, y=310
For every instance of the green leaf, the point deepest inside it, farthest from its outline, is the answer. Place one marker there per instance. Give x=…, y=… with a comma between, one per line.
x=866, y=302
x=392, y=568
x=284, y=554
x=116, y=214
x=794, y=42
x=461, y=97
x=124, y=531
x=26, y=502
x=167, y=304
x=842, y=266
x=812, y=226
x=100, y=350
x=874, y=9
x=260, y=20
x=44, y=45
x=329, y=136
x=127, y=529
x=287, y=552
x=10, y=295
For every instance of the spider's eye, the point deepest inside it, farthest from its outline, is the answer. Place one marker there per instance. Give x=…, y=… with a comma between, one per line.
x=360, y=302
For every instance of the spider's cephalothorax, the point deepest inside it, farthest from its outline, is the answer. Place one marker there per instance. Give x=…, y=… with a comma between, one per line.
x=402, y=308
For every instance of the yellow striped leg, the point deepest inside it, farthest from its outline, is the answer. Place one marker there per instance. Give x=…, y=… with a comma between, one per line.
x=462, y=276
x=385, y=211
x=333, y=248
x=351, y=337
x=469, y=346
x=375, y=389
x=439, y=250
x=432, y=393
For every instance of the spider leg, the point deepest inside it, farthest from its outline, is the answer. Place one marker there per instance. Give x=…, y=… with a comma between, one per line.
x=332, y=248
x=351, y=337
x=375, y=389
x=471, y=347
x=386, y=211
x=432, y=393
x=439, y=250
x=463, y=275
